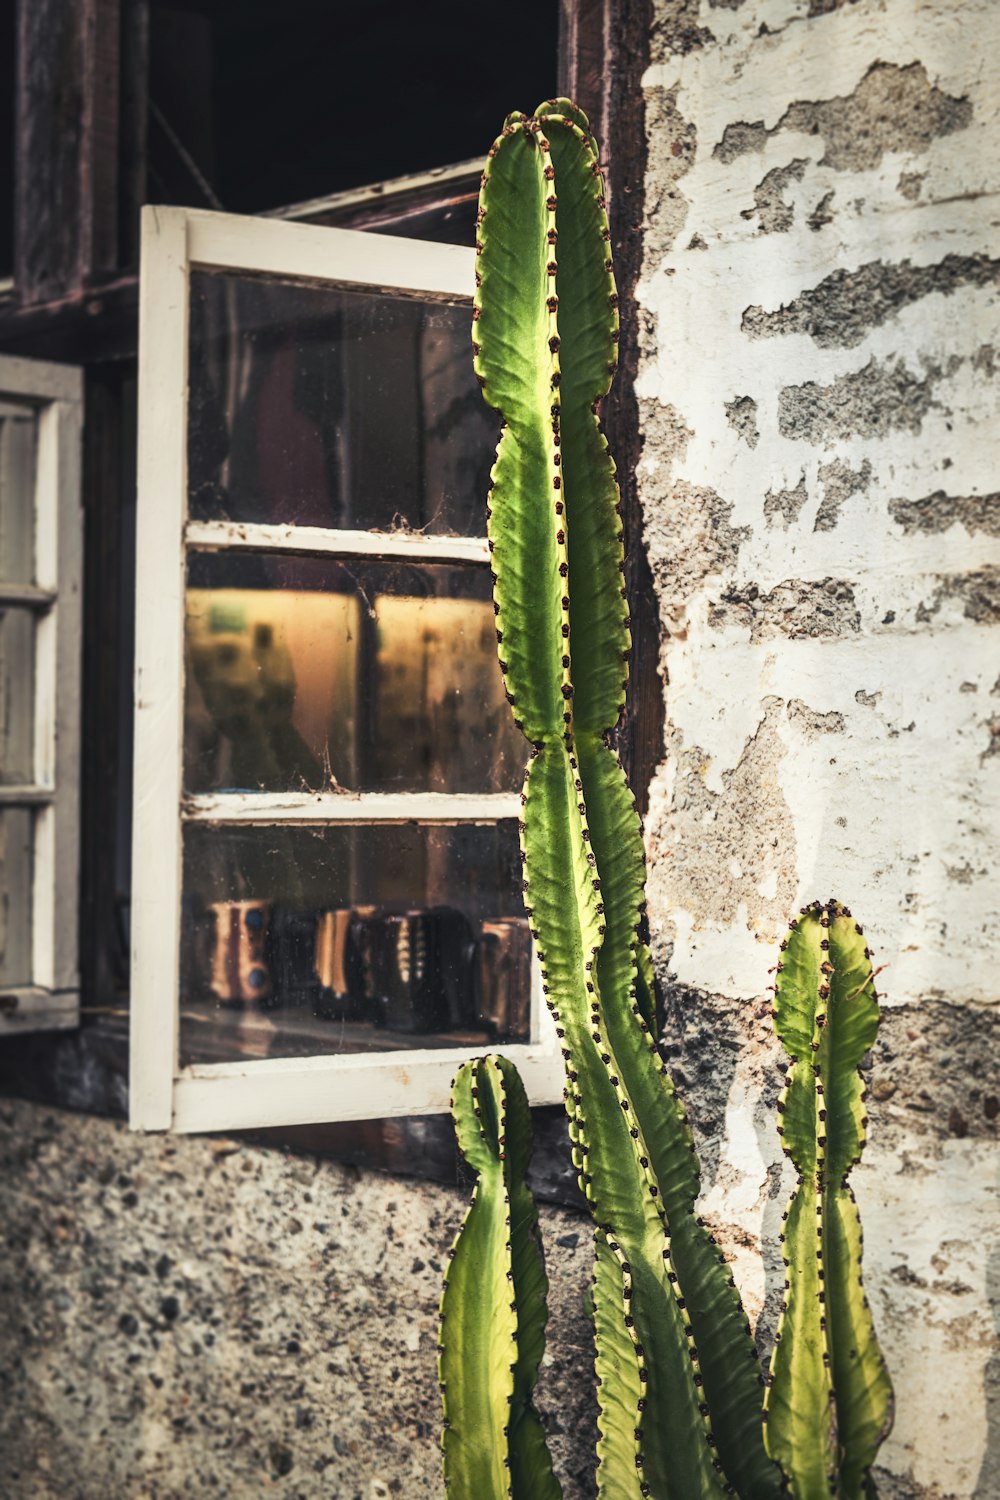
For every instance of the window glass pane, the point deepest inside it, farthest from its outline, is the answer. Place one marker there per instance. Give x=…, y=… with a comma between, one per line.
x=17, y=677
x=17, y=494
x=308, y=673
x=324, y=406
x=347, y=938
x=16, y=865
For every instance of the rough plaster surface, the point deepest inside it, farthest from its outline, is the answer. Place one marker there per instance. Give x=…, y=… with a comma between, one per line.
x=818, y=390
x=196, y=1317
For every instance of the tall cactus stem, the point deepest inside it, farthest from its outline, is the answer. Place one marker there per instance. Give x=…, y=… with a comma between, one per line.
x=546, y=348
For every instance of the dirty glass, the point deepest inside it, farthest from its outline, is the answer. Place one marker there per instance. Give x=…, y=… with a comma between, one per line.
x=16, y=869
x=17, y=678
x=17, y=493
x=314, y=674
x=300, y=941
x=337, y=407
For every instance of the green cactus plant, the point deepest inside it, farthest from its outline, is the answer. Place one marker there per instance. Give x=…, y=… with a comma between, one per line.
x=679, y=1402
x=829, y=1402
x=545, y=341
x=493, y=1308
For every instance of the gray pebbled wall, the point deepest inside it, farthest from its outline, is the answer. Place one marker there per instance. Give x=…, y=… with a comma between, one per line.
x=181, y=1316
x=819, y=390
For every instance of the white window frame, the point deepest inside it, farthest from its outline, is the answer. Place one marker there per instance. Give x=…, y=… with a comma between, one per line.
x=51, y=998
x=275, y=1091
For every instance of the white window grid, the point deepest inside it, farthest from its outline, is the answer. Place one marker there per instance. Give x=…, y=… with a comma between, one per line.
x=50, y=1000
x=276, y=1091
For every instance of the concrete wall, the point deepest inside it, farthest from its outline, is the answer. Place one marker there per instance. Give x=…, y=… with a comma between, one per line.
x=819, y=392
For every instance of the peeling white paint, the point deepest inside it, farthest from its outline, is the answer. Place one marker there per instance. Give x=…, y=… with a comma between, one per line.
x=845, y=741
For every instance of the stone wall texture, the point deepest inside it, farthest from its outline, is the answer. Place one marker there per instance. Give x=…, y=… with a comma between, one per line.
x=818, y=390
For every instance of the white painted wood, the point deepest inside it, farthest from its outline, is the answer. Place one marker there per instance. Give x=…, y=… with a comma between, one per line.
x=67, y=624
x=362, y=1086
x=162, y=481
x=349, y=807
x=341, y=256
x=37, y=381
x=26, y=796
x=55, y=393
x=33, y=1009
x=27, y=596
x=379, y=192
x=413, y=546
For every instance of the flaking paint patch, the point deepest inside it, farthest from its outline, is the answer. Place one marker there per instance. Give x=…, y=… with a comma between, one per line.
x=846, y=305
x=839, y=483
x=794, y=609
x=746, y=827
x=893, y=109
x=938, y=512
x=741, y=414
x=774, y=214
x=867, y=403
x=782, y=507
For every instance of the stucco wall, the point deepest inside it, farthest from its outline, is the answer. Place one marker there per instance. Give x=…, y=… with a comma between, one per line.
x=819, y=391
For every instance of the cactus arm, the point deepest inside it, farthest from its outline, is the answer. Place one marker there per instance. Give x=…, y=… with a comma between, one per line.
x=860, y=1377
x=493, y=1305
x=620, y=1473
x=515, y=367
x=830, y=1399
x=588, y=354
x=800, y=1410
x=727, y=1354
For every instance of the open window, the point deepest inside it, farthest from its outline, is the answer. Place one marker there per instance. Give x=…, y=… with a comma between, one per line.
x=41, y=535
x=327, y=909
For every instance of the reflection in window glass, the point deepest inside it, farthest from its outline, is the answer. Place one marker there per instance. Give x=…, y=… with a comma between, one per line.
x=326, y=406
x=307, y=673
x=346, y=938
x=17, y=493
x=17, y=680
x=16, y=868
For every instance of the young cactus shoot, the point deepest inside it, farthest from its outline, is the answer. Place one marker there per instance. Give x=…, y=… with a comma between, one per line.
x=829, y=1404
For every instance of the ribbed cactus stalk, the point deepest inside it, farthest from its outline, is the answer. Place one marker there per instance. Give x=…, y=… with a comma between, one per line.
x=493, y=1308
x=829, y=1404
x=679, y=1390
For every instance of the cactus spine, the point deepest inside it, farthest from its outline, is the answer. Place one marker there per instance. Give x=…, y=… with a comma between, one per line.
x=493, y=1309
x=829, y=1404
x=679, y=1394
